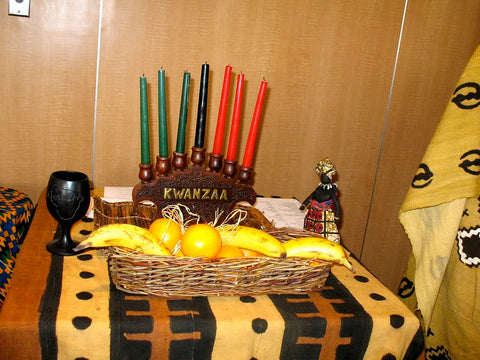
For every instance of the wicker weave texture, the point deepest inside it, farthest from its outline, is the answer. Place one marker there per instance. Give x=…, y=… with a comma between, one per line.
x=180, y=277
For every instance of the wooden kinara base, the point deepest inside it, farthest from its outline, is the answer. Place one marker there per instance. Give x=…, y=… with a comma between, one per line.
x=206, y=192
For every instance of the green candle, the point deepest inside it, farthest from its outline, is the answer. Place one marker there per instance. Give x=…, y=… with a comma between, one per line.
x=145, y=143
x=182, y=121
x=162, y=116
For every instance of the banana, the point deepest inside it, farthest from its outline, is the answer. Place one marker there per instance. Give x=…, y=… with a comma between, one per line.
x=317, y=248
x=250, y=238
x=125, y=235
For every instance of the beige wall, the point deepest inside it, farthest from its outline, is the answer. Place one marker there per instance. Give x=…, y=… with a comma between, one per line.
x=330, y=70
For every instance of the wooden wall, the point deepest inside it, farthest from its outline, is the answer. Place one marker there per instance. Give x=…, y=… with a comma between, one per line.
x=335, y=89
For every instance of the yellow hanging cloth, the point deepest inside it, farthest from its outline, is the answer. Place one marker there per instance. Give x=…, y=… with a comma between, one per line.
x=440, y=215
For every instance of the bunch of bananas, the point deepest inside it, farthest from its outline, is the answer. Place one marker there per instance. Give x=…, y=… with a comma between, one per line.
x=243, y=237
x=257, y=240
x=128, y=236
x=317, y=248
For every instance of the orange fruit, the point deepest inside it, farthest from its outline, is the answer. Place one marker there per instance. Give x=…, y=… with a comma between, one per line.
x=251, y=253
x=201, y=240
x=230, y=251
x=168, y=231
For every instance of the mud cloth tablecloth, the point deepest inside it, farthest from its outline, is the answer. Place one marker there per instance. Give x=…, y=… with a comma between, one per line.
x=16, y=211
x=441, y=216
x=67, y=308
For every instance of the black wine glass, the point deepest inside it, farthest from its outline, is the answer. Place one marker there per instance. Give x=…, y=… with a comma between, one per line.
x=68, y=199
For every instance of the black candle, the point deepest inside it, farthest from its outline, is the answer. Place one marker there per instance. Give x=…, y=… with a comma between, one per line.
x=202, y=108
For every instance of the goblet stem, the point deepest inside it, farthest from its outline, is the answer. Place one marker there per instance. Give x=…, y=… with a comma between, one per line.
x=63, y=245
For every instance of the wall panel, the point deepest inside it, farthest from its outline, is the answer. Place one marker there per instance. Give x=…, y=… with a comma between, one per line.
x=329, y=69
x=439, y=38
x=47, y=91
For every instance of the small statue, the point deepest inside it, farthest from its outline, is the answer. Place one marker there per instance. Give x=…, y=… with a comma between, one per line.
x=323, y=206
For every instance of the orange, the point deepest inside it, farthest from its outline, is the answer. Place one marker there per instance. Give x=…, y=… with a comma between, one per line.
x=230, y=251
x=167, y=230
x=251, y=253
x=201, y=240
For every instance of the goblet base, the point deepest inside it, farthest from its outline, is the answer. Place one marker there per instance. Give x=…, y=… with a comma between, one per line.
x=55, y=247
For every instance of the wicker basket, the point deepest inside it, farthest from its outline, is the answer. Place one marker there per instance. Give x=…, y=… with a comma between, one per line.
x=105, y=213
x=171, y=276
x=124, y=213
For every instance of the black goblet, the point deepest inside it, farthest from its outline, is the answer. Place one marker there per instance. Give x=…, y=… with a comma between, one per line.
x=68, y=199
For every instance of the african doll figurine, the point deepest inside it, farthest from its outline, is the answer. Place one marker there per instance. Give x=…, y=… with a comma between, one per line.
x=322, y=204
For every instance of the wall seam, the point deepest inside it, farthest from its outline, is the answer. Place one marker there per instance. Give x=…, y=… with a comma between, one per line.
x=97, y=70
x=372, y=193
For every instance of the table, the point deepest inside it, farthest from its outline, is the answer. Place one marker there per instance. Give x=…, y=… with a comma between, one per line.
x=66, y=307
x=16, y=211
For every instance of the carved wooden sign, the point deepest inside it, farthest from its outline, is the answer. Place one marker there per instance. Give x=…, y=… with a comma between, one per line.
x=204, y=192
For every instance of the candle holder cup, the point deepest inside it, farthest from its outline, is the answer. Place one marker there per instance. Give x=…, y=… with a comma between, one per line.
x=179, y=161
x=198, y=156
x=245, y=175
x=163, y=165
x=145, y=172
x=230, y=169
x=215, y=162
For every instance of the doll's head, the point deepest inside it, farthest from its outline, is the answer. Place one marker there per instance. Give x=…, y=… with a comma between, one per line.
x=325, y=168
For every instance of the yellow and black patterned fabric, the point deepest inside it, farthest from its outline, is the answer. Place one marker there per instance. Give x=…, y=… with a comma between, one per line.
x=68, y=308
x=441, y=216
x=16, y=210
x=352, y=317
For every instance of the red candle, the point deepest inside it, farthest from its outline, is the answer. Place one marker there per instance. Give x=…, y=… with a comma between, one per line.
x=222, y=112
x=237, y=107
x=252, y=135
